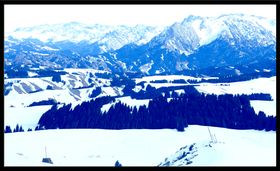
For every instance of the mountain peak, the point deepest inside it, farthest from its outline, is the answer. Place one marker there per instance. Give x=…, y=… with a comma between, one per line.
x=191, y=18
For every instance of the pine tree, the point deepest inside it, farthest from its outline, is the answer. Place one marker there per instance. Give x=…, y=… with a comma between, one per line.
x=56, y=78
x=21, y=129
x=180, y=125
x=16, y=129
x=8, y=129
x=118, y=164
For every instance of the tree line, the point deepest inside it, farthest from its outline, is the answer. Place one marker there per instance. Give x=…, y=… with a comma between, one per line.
x=192, y=107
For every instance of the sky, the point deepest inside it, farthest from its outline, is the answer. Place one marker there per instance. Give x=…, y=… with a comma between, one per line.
x=16, y=16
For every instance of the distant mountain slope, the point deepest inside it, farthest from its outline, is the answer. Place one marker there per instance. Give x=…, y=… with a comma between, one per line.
x=197, y=45
x=200, y=43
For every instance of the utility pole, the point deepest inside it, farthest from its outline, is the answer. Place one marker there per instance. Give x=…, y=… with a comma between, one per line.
x=215, y=138
x=46, y=159
x=46, y=151
x=210, y=134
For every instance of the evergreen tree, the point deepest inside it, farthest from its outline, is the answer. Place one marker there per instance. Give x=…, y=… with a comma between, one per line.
x=16, y=129
x=49, y=87
x=96, y=92
x=118, y=164
x=180, y=126
x=21, y=129
x=192, y=107
x=56, y=78
x=8, y=129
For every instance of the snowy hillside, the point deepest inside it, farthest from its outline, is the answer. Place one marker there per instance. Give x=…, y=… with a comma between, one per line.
x=260, y=85
x=75, y=88
x=226, y=150
x=96, y=147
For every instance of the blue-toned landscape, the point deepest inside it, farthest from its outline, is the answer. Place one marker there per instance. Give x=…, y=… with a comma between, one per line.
x=198, y=92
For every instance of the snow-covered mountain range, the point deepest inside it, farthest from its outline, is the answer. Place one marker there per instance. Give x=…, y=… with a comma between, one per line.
x=196, y=31
x=196, y=43
x=108, y=37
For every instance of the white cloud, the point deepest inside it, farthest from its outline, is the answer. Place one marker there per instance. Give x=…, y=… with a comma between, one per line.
x=29, y=15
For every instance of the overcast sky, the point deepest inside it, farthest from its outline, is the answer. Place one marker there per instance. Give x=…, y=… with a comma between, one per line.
x=30, y=15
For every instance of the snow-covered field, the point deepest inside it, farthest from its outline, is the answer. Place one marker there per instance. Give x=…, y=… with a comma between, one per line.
x=260, y=85
x=169, y=78
x=27, y=117
x=268, y=107
x=97, y=147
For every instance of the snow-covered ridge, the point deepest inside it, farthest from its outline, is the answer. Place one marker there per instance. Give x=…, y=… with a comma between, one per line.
x=111, y=37
x=195, y=31
x=192, y=33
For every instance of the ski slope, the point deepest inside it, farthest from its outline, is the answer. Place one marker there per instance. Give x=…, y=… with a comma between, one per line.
x=142, y=147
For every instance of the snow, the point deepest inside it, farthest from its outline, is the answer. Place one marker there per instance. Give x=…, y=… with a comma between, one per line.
x=49, y=48
x=38, y=81
x=97, y=147
x=157, y=72
x=128, y=101
x=137, y=89
x=242, y=150
x=19, y=100
x=259, y=85
x=208, y=29
x=17, y=112
x=162, y=57
x=32, y=74
x=27, y=117
x=83, y=70
x=159, y=85
x=164, y=77
x=268, y=107
x=41, y=54
x=179, y=92
x=133, y=102
x=16, y=103
x=146, y=67
x=6, y=50
x=64, y=94
x=143, y=147
x=110, y=91
x=108, y=36
x=268, y=24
